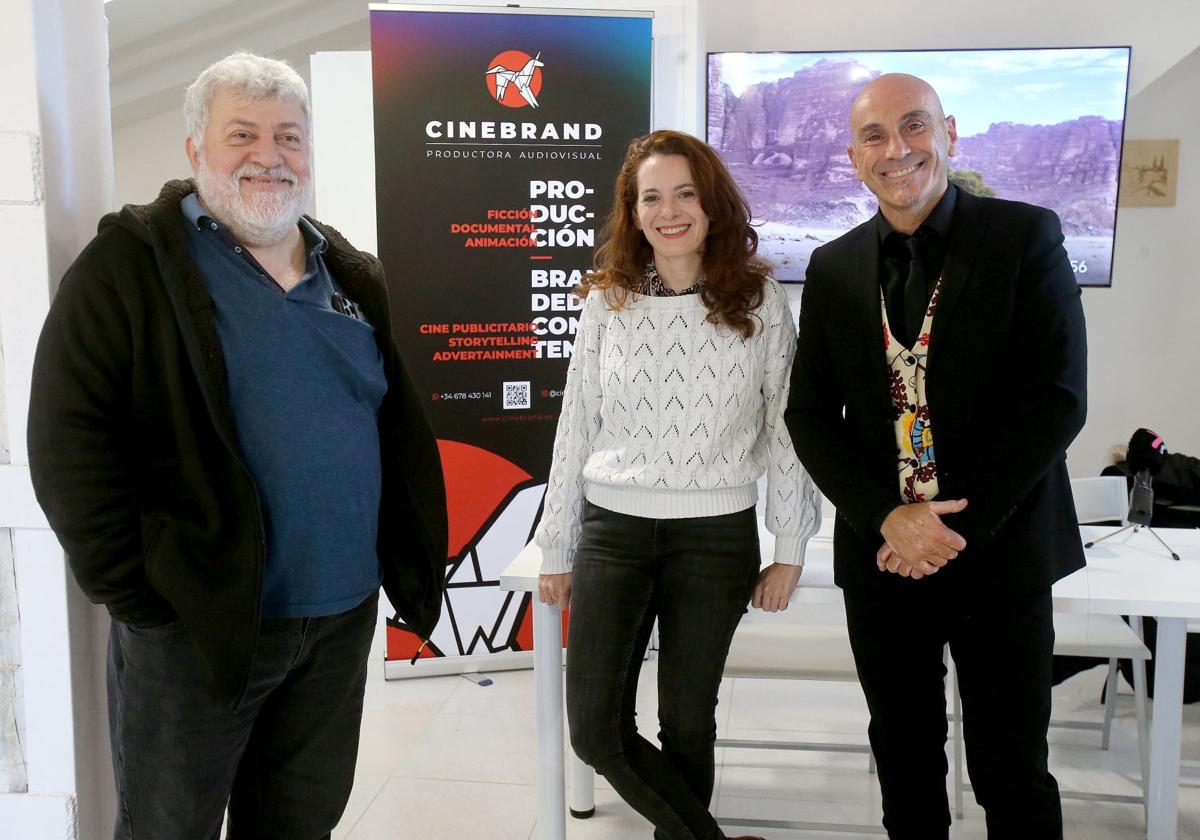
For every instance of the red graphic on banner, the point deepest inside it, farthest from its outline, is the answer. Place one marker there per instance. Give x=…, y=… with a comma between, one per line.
x=477, y=481
x=402, y=643
x=479, y=487
x=514, y=78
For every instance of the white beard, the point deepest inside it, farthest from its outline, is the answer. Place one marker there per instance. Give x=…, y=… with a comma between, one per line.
x=267, y=217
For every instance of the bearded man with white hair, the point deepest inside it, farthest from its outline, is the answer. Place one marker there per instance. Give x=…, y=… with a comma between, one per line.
x=225, y=440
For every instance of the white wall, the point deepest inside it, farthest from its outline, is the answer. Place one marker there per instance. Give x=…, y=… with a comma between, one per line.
x=1154, y=275
x=146, y=155
x=1161, y=32
x=1143, y=340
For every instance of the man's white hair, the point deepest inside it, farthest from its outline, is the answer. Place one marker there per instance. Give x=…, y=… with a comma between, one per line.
x=253, y=76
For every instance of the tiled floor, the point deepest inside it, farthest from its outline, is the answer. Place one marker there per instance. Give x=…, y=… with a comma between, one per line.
x=443, y=758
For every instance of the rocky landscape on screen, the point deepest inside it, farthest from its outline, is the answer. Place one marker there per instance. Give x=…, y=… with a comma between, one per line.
x=785, y=142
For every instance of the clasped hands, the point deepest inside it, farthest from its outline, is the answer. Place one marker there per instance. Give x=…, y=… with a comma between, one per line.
x=916, y=542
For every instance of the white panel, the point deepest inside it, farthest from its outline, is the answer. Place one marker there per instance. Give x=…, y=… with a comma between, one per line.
x=18, y=507
x=465, y=573
x=477, y=609
x=18, y=102
x=24, y=301
x=45, y=661
x=12, y=707
x=344, y=145
x=45, y=817
x=20, y=174
x=443, y=635
x=508, y=535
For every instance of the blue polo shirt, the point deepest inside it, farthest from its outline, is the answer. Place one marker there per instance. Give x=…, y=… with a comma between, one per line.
x=305, y=385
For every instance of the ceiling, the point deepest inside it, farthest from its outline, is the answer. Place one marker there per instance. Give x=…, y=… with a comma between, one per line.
x=133, y=20
x=157, y=48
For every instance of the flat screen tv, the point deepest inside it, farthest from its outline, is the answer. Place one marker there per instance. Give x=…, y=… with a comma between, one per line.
x=1042, y=126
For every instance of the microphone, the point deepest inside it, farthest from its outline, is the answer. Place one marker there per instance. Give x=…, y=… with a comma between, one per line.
x=1141, y=501
x=1147, y=456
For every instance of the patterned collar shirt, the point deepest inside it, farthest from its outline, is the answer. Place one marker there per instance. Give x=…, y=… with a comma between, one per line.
x=654, y=286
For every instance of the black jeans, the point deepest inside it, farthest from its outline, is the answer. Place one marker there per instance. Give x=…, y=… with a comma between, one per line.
x=696, y=577
x=283, y=762
x=1002, y=648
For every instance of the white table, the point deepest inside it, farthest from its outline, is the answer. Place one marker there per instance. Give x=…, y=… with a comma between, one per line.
x=1129, y=575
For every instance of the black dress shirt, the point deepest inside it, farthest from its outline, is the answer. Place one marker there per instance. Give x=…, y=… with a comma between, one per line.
x=933, y=238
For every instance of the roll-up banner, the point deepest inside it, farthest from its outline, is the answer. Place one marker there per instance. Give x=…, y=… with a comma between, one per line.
x=498, y=136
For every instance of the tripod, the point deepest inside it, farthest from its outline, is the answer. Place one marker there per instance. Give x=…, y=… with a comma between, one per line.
x=1136, y=527
x=1147, y=452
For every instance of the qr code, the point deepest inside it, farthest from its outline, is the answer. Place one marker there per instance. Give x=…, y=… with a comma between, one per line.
x=516, y=395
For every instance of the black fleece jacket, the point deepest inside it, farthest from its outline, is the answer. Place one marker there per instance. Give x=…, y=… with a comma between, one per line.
x=135, y=460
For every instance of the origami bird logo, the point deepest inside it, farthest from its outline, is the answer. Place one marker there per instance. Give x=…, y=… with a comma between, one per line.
x=527, y=81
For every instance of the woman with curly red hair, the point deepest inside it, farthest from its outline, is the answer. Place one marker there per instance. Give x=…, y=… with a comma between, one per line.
x=673, y=410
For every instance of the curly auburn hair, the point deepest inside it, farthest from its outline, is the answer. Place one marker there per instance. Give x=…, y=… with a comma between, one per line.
x=733, y=275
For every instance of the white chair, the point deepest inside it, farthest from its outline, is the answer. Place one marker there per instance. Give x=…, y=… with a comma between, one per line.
x=1101, y=636
x=1105, y=499
x=1101, y=499
x=770, y=649
x=788, y=646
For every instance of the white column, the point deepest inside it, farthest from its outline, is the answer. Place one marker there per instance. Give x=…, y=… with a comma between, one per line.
x=55, y=182
x=548, y=686
x=1166, y=729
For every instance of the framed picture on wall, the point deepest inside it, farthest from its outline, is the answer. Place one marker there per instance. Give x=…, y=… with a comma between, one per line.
x=1149, y=170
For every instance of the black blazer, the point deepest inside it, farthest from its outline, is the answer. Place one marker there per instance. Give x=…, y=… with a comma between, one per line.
x=135, y=460
x=1006, y=385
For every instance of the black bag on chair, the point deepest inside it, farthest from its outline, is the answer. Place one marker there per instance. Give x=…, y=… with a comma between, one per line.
x=1176, y=490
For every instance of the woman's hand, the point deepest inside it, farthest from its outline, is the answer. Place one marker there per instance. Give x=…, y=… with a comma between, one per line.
x=775, y=586
x=555, y=590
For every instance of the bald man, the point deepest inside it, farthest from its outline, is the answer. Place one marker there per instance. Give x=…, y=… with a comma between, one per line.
x=939, y=378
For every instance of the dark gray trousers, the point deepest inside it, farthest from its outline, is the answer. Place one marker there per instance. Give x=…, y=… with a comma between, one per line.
x=696, y=576
x=282, y=763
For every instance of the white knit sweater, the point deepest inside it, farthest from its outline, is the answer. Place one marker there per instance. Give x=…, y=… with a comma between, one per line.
x=666, y=416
